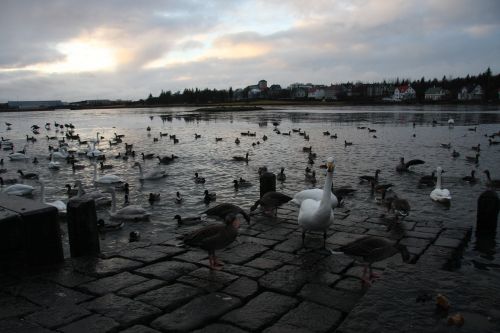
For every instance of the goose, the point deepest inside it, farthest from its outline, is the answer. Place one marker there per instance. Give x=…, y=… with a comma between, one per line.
x=318, y=215
x=19, y=190
x=241, y=158
x=209, y=197
x=342, y=192
x=130, y=212
x=35, y=160
x=493, y=183
x=188, y=220
x=370, y=178
x=470, y=179
x=104, y=227
x=17, y=156
x=334, y=136
x=307, y=149
x=165, y=159
x=153, y=197
x=428, y=180
x=147, y=156
x=105, y=166
x=404, y=167
x=8, y=181
x=493, y=142
x=107, y=179
x=71, y=192
x=178, y=198
x=151, y=175
x=214, y=237
x=446, y=145
x=455, y=154
x=29, y=175
x=438, y=194
x=346, y=143
x=477, y=148
x=271, y=201
x=281, y=176
x=474, y=159
x=224, y=209
x=60, y=205
x=371, y=249
x=311, y=177
x=241, y=183
x=198, y=179
x=75, y=166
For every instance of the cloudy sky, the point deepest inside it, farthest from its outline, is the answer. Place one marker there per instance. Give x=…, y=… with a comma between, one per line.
x=96, y=49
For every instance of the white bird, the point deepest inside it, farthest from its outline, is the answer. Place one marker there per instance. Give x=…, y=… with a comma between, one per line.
x=100, y=198
x=451, y=122
x=107, y=179
x=52, y=164
x=317, y=215
x=94, y=152
x=61, y=154
x=61, y=206
x=19, y=189
x=130, y=212
x=17, y=157
x=314, y=194
x=151, y=175
x=439, y=194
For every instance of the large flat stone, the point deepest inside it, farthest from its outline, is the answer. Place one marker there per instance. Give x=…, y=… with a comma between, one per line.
x=104, y=267
x=341, y=300
x=140, y=288
x=242, y=288
x=287, y=279
x=218, y=328
x=214, y=275
x=94, y=323
x=124, y=310
x=260, y=311
x=242, y=253
x=196, y=313
x=139, y=329
x=112, y=283
x=343, y=238
x=21, y=326
x=168, y=270
x=169, y=297
x=307, y=317
x=68, y=277
x=15, y=306
x=58, y=316
x=145, y=255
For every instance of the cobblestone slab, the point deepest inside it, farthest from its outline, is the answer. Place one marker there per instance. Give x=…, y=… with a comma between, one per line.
x=214, y=275
x=68, y=277
x=169, y=297
x=203, y=284
x=242, y=253
x=146, y=255
x=264, y=264
x=104, y=267
x=21, y=326
x=307, y=317
x=58, y=316
x=242, y=288
x=94, y=323
x=112, y=283
x=287, y=279
x=141, y=288
x=196, y=313
x=124, y=310
x=260, y=311
x=15, y=306
x=167, y=270
x=140, y=329
x=243, y=270
x=341, y=300
x=219, y=328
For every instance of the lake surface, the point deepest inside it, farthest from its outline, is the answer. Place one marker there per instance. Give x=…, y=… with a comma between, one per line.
x=396, y=137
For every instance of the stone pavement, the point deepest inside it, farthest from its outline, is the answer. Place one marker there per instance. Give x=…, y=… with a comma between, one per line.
x=269, y=282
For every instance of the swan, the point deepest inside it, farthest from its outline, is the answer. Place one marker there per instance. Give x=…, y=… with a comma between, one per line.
x=94, y=152
x=313, y=193
x=439, y=194
x=107, y=179
x=61, y=154
x=53, y=165
x=60, y=205
x=100, y=198
x=17, y=157
x=130, y=212
x=318, y=215
x=19, y=189
x=151, y=175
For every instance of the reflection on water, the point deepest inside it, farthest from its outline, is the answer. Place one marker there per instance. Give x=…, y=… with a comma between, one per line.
x=395, y=136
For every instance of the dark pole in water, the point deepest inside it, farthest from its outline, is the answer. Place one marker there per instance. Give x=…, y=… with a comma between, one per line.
x=267, y=183
x=488, y=206
x=82, y=228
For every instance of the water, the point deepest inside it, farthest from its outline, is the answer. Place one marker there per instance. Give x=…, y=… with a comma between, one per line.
x=213, y=160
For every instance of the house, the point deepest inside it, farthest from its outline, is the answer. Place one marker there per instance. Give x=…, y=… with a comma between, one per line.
x=378, y=90
x=332, y=92
x=317, y=93
x=34, y=105
x=436, y=94
x=404, y=93
x=471, y=93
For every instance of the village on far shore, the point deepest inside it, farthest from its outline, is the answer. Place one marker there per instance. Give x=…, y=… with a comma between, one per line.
x=481, y=89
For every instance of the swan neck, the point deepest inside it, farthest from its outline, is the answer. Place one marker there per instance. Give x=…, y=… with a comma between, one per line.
x=438, y=181
x=327, y=188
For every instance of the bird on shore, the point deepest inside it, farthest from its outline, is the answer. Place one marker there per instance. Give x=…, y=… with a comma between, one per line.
x=214, y=237
x=372, y=249
x=404, y=167
x=220, y=211
x=270, y=202
x=439, y=194
x=188, y=220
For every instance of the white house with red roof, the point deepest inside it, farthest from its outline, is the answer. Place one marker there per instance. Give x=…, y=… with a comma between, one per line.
x=403, y=93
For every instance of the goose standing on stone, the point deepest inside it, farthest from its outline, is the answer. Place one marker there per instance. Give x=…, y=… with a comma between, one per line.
x=317, y=215
x=371, y=249
x=270, y=202
x=404, y=167
x=224, y=209
x=214, y=237
x=439, y=194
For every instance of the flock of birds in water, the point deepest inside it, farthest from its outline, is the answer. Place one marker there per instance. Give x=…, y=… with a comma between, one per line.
x=316, y=205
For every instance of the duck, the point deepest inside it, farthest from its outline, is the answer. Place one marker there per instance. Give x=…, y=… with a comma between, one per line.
x=188, y=220
x=147, y=156
x=8, y=181
x=71, y=192
x=241, y=183
x=334, y=136
x=130, y=212
x=134, y=236
x=165, y=159
x=224, y=209
x=107, y=179
x=104, y=227
x=493, y=142
x=438, y=194
x=428, y=180
x=474, y=159
x=404, y=167
x=372, y=249
x=370, y=178
x=29, y=175
x=209, y=197
x=455, y=154
x=237, y=141
x=105, y=166
x=151, y=175
x=281, y=176
x=214, y=237
x=60, y=205
x=311, y=177
x=317, y=215
x=241, y=158
x=270, y=202
x=178, y=198
x=198, y=179
x=492, y=183
x=446, y=145
x=470, y=179
x=153, y=197
x=19, y=190
x=399, y=206
x=477, y=148
x=346, y=143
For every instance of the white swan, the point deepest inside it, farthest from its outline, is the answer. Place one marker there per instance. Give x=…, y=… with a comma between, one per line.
x=61, y=206
x=439, y=194
x=94, y=152
x=61, y=154
x=107, y=179
x=151, y=175
x=318, y=215
x=19, y=189
x=54, y=165
x=130, y=212
x=100, y=198
x=17, y=157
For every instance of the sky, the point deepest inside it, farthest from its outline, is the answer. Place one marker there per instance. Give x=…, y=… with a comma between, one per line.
x=126, y=49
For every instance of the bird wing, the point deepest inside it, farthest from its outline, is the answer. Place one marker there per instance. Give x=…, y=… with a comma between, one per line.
x=413, y=162
x=198, y=237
